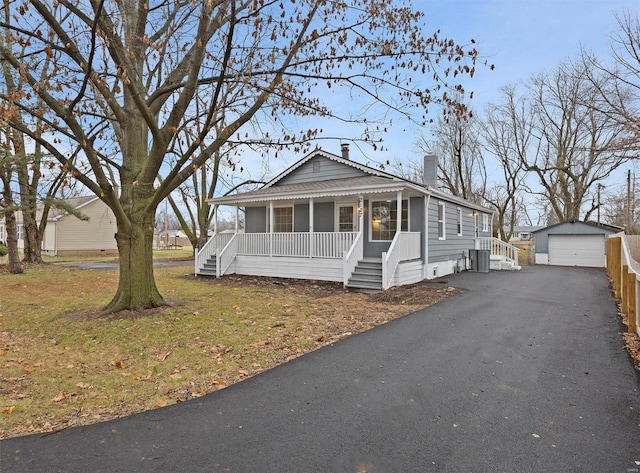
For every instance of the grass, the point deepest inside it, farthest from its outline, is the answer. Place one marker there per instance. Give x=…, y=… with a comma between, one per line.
x=62, y=366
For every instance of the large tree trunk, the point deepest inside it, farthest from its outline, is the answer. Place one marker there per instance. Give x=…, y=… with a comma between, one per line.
x=136, y=285
x=15, y=266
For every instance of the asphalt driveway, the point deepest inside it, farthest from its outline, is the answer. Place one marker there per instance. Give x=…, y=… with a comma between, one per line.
x=526, y=372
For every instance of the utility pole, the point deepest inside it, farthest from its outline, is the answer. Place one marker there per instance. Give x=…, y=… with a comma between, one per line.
x=599, y=187
x=628, y=226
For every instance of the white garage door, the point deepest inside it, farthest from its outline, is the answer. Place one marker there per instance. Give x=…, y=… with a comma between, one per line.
x=576, y=250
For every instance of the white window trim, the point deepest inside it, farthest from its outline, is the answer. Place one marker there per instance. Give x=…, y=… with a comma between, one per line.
x=459, y=221
x=485, y=223
x=441, y=205
x=293, y=217
x=336, y=212
x=370, y=219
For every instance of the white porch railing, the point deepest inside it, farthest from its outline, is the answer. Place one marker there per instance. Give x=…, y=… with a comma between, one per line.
x=498, y=247
x=300, y=244
x=211, y=248
x=226, y=255
x=405, y=246
x=352, y=257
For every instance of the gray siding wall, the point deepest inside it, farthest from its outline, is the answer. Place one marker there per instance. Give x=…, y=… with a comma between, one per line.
x=323, y=217
x=255, y=220
x=301, y=218
x=541, y=237
x=320, y=168
x=453, y=246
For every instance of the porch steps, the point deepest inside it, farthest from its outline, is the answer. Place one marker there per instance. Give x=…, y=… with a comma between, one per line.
x=208, y=268
x=502, y=263
x=367, y=275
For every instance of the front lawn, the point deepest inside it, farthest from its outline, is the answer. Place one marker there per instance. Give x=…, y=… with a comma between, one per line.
x=62, y=365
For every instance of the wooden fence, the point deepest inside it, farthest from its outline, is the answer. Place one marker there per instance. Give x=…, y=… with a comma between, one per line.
x=624, y=271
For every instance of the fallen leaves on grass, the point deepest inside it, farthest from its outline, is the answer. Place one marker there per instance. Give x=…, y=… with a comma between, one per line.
x=221, y=332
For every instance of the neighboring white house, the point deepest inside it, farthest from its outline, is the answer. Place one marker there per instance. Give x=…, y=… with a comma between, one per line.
x=330, y=218
x=523, y=233
x=67, y=234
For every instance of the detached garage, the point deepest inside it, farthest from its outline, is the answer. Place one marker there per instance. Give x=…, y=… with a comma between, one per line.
x=572, y=244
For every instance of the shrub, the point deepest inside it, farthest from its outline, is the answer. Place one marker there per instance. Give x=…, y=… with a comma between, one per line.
x=3, y=249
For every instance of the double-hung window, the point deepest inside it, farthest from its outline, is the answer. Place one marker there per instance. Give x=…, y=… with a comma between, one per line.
x=485, y=222
x=459, y=222
x=384, y=219
x=442, y=235
x=282, y=219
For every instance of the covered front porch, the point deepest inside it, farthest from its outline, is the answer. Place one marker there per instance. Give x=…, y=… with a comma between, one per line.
x=329, y=256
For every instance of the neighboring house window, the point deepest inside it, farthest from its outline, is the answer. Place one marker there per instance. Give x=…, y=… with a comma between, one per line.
x=20, y=232
x=282, y=219
x=1, y=233
x=459, y=222
x=384, y=216
x=441, y=221
x=485, y=223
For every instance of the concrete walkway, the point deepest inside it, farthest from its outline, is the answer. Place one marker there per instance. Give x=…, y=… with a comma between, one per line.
x=526, y=372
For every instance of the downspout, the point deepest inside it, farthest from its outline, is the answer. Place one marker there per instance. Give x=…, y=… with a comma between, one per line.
x=399, y=212
x=311, y=246
x=427, y=199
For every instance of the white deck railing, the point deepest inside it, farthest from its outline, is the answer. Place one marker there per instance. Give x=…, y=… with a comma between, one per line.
x=498, y=247
x=211, y=248
x=352, y=257
x=297, y=244
x=405, y=246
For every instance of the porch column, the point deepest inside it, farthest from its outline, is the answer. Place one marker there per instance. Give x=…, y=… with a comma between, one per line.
x=361, y=214
x=311, y=246
x=270, y=228
x=237, y=215
x=399, y=212
x=215, y=219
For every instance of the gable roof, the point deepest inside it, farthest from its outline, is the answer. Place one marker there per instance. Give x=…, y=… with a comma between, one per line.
x=602, y=226
x=373, y=181
x=331, y=156
x=55, y=213
x=77, y=203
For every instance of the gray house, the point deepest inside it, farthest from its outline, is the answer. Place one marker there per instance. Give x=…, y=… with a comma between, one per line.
x=330, y=218
x=573, y=243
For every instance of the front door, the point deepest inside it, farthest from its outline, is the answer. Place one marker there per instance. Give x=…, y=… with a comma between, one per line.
x=347, y=221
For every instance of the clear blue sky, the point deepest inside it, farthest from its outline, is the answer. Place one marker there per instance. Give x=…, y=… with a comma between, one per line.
x=520, y=37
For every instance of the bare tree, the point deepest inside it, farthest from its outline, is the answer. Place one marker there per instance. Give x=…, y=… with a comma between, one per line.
x=461, y=169
x=507, y=133
x=578, y=142
x=127, y=73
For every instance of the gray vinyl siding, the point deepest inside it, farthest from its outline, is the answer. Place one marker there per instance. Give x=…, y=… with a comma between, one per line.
x=453, y=246
x=541, y=237
x=301, y=218
x=320, y=168
x=323, y=217
x=255, y=220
